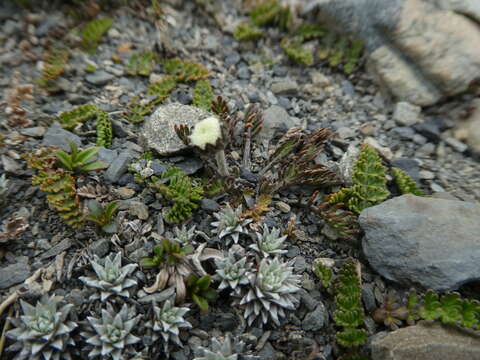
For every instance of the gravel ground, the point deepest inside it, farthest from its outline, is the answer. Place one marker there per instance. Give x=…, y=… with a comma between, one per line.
x=245, y=73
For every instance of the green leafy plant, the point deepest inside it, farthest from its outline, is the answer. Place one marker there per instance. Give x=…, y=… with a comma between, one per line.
x=405, y=183
x=71, y=118
x=198, y=289
x=104, y=129
x=369, y=183
x=102, y=216
x=184, y=70
x=142, y=63
x=43, y=330
x=58, y=184
x=79, y=161
x=182, y=191
x=203, y=95
x=391, y=313
x=349, y=311
x=341, y=51
x=247, y=32
x=270, y=12
x=54, y=65
x=296, y=51
x=93, y=32
x=324, y=273
x=308, y=31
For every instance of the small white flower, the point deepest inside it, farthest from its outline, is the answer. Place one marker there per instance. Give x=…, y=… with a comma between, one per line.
x=205, y=132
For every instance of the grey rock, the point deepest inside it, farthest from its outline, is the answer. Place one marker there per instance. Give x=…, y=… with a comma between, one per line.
x=456, y=144
x=138, y=209
x=316, y=319
x=99, y=78
x=427, y=342
x=427, y=242
x=268, y=352
x=190, y=166
x=470, y=129
x=157, y=297
x=36, y=131
x=232, y=59
x=100, y=247
x=119, y=166
x=13, y=274
x=63, y=245
x=209, y=205
x=57, y=136
x=430, y=130
x=139, y=254
x=107, y=155
x=157, y=167
x=10, y=165
x=243, y=73
x=406, y=114
x=275, y=118
x=410, y=166
x=308, y=300
x=158, y=133
x=286, y=86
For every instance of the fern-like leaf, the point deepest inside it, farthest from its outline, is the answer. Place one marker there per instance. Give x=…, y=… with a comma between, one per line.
x=142, y=63
x=93, y=32
x=203, y=95
x=183, y=70
x=405, y=183
x=104, y=129
x=71, y=118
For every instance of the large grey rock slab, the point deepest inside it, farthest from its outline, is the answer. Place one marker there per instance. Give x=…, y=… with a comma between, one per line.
x=58, y=136
x=427, y=342
x=432, y=243
x=420, y=51
x=158, y=133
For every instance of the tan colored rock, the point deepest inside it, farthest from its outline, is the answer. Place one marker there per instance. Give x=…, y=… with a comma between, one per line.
x=469, y=130
x=427, y=342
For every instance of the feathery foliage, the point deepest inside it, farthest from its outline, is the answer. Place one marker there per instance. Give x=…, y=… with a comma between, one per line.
x=93, y=32
x=184, y=70
x=344, y=222
x=182, y=191
x=247, y=32
x=69, y=119
x=142, y=63
x=295, y=50
x=405, y=183
x=349, y=311
x=104, y=129
x=341, y=51
x=369, y=183
x=270, y=12
x=324, y=274
x=58, y=184
x=55, y=61
x=203, y=95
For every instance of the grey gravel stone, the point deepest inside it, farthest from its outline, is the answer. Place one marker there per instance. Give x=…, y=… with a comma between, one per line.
x=275, y=118
x=209, y=205
x=138, y=209
x=406, y=114
x=107, y=155
x=119, y=166
x=422, y=241
x=13, y=274
x=286, y=86
x=190, y=166
x=36, y=131
x=316, y=319
x=10, y=165
x=100, y=247
x=99, y=78
x=158, y=132
x=427, y=342
x=243, y=73
x=57, y=136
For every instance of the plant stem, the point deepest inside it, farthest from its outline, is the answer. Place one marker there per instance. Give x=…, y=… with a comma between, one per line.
x=222, y=163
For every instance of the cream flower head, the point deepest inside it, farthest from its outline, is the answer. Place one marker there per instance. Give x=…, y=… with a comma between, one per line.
x=205, y=132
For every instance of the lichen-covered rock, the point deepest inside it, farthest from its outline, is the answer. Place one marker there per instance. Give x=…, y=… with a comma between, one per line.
x=158, y=133
x=433, y=243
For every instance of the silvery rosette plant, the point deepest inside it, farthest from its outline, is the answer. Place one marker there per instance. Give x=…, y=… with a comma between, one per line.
x=183, y=235
x=271, y=291
x=112, y=277
x=167, y=322
x=43, y=330
x=111, y=335
x=230, y=223
x=269, y=242
x=232, y=271
x=226, y=350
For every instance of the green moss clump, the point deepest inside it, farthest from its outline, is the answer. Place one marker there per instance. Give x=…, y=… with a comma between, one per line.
x=93, y=32
x=184, y=70
x=270, y=12
x=203, y=95
x=341, y=51
x=246, y=32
